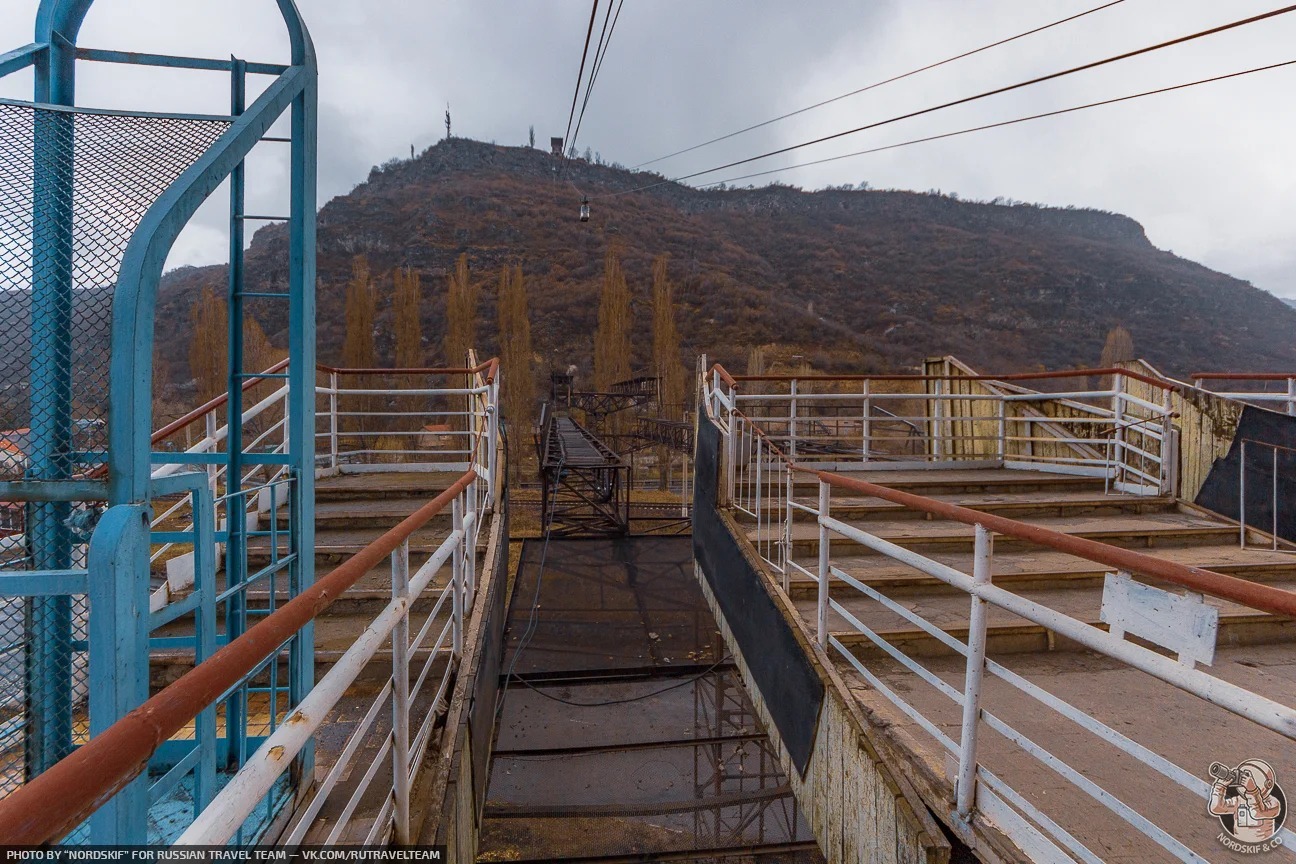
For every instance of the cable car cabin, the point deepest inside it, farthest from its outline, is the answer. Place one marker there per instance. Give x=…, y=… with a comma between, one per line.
x=584, y=211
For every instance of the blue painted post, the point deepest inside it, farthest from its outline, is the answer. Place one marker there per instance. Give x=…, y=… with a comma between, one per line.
x=301, y=393
x=204, y=631
x=49, y=619
x=118, y=636
x=235, y=507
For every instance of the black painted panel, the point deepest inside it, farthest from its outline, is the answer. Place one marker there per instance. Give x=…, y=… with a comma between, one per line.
x=1220, y=492
x=788, y=682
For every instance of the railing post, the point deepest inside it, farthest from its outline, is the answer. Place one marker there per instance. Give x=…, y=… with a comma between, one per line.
x=1242, y=494
x=866, y=422
x=1169, y=457
x=400, y=695
x=470, y=542
x=965, y=790
x=457, y=578
x=492, y=443
x=1003, y=430
x=936, y=431
x=1291, y=396
x=117, y=631
x=731, y=463
x=1274, y=509
x=792, y=422
x=821, y=618
x=1118, y=433
x=333, y=420
x=786, y=557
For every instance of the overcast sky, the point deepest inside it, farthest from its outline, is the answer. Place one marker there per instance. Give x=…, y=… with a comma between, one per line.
x=1207, y=171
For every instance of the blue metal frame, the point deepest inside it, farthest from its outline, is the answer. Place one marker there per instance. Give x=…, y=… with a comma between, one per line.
x=117, y=578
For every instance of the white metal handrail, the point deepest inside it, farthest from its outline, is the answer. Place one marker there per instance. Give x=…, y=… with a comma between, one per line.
x=760, y=477
x=1112, y=433
x=410, y=734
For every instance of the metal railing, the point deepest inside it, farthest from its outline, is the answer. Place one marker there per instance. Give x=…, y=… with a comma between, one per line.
x=905, y=420
x=1278, y=455
x=762, y=478
x=425, y=647
x=1283, y=397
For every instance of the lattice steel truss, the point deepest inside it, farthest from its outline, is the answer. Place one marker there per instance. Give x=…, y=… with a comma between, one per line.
x=91, y=202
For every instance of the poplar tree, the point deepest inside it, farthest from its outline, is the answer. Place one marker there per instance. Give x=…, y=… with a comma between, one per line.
x=666, y=344
x=461, y=314
x=407, y=295
x=518, y=391
x=358, y=344
x=612, y=338
x=666, y=359
x=1119, y=347
x=209, y=350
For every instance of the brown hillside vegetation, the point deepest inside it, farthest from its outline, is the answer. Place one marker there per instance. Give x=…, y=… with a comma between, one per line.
x=846, y=279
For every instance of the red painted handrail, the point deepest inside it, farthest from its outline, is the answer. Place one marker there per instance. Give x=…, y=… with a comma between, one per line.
x=1242, y=376
x=212, y=404
x=1163, y=383
x=1265, y=598
x=56, y=801
x=490, y=367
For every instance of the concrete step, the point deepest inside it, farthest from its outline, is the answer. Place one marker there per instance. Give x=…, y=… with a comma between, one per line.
x=1014, y=505
x=384, y=485
x=1007, y=633
x=1044, y=568
x=384, y=513
x=334, y=546
x=1134, y=532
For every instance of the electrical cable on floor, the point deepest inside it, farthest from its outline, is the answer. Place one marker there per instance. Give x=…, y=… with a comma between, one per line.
x=682, y=683
x=546, y=525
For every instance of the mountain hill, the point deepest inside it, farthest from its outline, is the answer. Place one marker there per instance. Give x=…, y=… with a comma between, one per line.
x=849, y=279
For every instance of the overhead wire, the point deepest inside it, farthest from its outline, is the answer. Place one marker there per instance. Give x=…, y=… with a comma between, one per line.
x=882, y=83
x=599, y=53
x=1003, y=123
x=967, y=99
x=580, y=76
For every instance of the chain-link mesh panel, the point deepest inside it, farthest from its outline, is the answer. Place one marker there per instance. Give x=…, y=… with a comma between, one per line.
x=44, y=667
x=73, y=188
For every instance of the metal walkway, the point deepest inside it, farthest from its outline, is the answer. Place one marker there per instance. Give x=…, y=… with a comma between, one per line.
x=586, y=484
x=625, y=732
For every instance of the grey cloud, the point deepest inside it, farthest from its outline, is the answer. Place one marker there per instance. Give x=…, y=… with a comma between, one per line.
x=1205, y=171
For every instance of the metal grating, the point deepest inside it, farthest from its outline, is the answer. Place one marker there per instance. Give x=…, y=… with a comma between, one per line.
x=98, y=174
x=625, y=732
